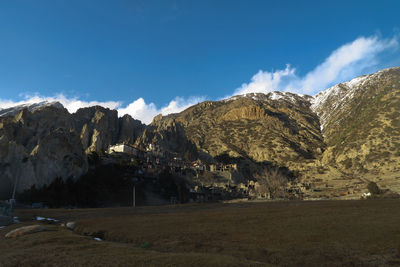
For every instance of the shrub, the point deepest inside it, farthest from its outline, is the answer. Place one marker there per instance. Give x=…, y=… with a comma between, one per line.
x=272, y=182
x=373, y=188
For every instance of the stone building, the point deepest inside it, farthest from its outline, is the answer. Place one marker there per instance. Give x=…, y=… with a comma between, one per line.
x=123, y=148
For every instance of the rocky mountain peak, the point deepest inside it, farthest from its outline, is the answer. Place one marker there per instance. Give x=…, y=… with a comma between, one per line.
x=276, y=95
x=8, y=112
x=42, y=142
x=359, y=119
x=361, y=125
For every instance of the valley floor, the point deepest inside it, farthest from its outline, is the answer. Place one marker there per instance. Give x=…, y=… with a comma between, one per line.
x=307, y=233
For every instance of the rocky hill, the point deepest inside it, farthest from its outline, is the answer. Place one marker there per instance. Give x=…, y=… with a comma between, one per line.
x=337, y=141
x=171, y=136
x=279, y=128
x=360, y=122
x=41, y=143
x=31, y=107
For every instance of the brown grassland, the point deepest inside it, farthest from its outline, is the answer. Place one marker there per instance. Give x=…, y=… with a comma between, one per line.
x=309, y=233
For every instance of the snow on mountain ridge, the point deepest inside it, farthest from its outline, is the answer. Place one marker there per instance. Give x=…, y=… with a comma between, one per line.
x=11, y=111
x=275, y=95
x=340, y=94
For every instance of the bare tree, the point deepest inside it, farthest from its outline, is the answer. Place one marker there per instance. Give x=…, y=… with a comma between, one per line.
x=271, y=182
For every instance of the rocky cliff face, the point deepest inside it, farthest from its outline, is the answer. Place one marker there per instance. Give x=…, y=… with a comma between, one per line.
x=35, y=148
x=169, y=135
x=276, y=128
x=41, y=143
x=339, y=140
x=30, y=107
x=129, y=129
x=98, y=127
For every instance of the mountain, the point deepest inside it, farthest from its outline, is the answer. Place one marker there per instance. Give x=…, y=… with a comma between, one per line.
x=334, y=142
x=337, y=140
x=39, y=143
x=360, y=121
x=277, y=128
x=170, y=135
x=31, y=107
x=100, y=127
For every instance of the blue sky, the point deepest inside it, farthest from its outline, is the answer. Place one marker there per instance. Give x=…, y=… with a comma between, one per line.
x=146, y=57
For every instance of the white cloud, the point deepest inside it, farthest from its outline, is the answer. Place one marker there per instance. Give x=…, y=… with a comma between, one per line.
x=350, y=60
x=72, y=104
x=138, y=109
x=146, y=112
x=264, y=82
x=180, y=103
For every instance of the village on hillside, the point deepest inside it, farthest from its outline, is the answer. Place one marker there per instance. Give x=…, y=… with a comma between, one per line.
x=205, y=181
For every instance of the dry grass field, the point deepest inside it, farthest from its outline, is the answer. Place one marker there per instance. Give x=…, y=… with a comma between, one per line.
x=319, y=233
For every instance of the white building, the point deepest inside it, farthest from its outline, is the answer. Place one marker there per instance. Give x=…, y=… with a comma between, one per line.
x=122, y=148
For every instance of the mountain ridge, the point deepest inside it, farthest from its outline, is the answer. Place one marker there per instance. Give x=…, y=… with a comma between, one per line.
x=341, y=137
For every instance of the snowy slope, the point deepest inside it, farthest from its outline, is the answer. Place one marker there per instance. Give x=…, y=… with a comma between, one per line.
x=335, y=98
x=31, y=107
x=276, y=95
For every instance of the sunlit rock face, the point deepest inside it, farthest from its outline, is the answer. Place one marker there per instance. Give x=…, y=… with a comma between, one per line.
x=276, y=127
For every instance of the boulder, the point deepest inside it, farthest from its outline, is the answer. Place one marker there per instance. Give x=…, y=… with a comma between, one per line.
x=70, y=225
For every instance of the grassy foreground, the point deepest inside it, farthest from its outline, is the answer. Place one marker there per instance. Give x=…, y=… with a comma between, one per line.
x=321, y=233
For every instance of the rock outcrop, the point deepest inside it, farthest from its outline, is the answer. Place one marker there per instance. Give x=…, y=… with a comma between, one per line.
x=169, y=135
x=30, y=107
x=42, y=143
x=129, y=129
x=279, y=128
x=37, y=147
x=98, y=127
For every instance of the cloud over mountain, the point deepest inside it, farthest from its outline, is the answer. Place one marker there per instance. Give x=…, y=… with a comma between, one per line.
x=138, y=109
x=358, y=57
x=346, y=62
